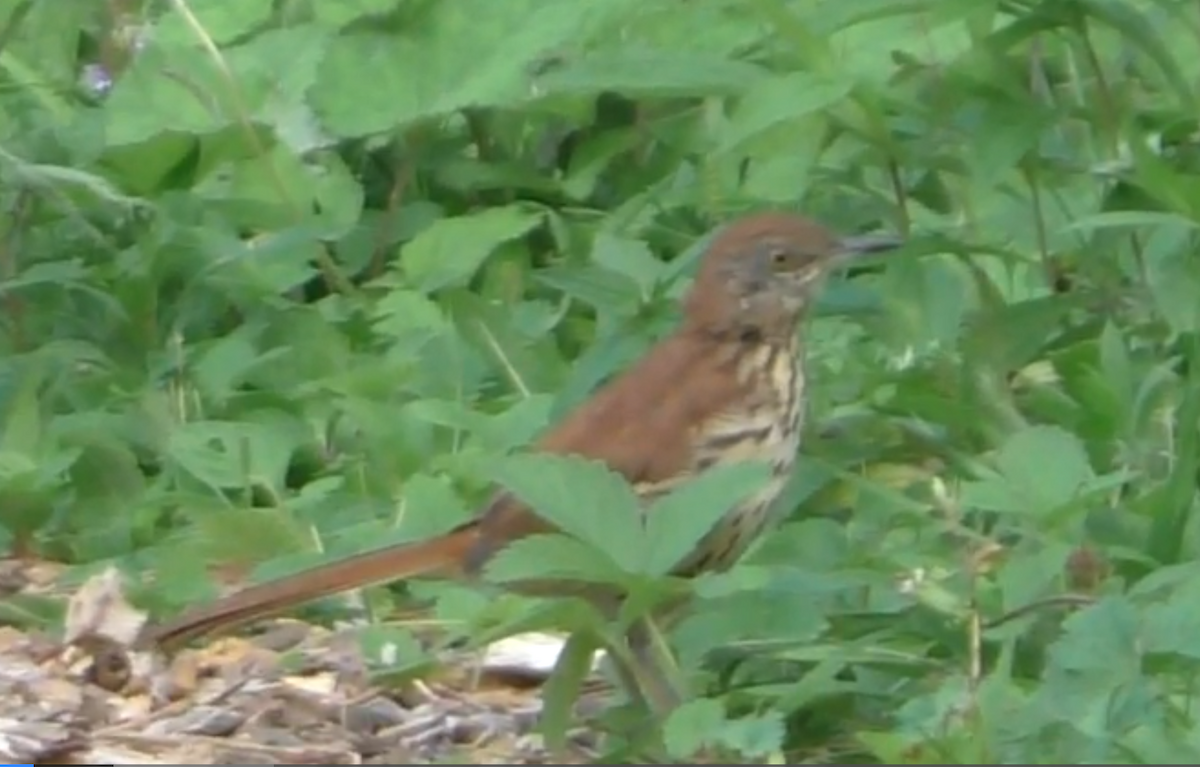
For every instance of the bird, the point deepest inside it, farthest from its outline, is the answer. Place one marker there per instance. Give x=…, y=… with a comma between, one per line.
x=726, y=385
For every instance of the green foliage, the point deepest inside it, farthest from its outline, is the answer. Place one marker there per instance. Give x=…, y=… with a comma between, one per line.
x=283, y=280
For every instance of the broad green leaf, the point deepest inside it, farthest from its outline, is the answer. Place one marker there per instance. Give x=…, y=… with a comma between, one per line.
x=778, y=99
x=551, y=556
x=222, y=367
x=611, y=292
x=755, y=735
x=451, y=250
x=1048, y=463
x=1173, y=277
x=692, y=726
x=231, y=455
x=451, y=56
x=1169, y=625
x=526, y=362
x=631, y=258
x=675, y=523
x=1040, y=469
x=222, y=21
x=429, y=506
x=244, y=535
x=176, y=87
x=583, y=498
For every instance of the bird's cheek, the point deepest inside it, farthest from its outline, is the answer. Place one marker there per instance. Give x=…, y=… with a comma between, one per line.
x=793, y=298
x=799, y=285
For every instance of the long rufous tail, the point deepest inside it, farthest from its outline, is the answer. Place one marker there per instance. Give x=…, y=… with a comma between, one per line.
x=441, y=555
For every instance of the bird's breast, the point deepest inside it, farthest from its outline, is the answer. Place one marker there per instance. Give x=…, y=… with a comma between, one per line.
x=763, y=425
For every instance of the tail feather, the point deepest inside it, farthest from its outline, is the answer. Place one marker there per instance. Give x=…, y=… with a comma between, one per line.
x=440, y=555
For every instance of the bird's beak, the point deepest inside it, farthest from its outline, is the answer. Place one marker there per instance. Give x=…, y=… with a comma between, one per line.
x=864, y=244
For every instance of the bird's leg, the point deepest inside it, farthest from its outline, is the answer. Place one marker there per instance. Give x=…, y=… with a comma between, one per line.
x=654, y=666
x=624, y=666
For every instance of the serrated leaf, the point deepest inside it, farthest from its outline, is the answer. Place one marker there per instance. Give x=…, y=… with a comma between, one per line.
x=583, y=498
x=756, y=735
x=1040, y=469
x=529, y=362
x=451, y=250
x=675, y=523
x=431, y=507
x=551, y=555
x=1102, y=637
x=692, y=726
x=630, y=258
x=1049, y=463
x=229, y=454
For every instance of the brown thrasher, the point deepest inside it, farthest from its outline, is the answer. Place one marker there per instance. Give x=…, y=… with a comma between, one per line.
x=726, y=386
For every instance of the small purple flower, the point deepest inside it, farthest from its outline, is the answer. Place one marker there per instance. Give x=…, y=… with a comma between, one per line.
x=97, y=79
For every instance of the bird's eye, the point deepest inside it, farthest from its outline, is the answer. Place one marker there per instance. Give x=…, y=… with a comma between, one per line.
x=780, y=257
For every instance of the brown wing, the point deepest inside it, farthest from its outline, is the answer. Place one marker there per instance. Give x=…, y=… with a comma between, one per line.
x=641, y=424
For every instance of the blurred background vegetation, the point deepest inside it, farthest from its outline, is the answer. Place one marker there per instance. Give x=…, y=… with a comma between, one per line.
x=276, y=276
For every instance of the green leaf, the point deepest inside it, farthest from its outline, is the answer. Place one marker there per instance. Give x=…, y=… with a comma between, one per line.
x=1117, y=367
x=653, y=73
x=581, y=497
x=221, y=20
x=108, y=486
x=527, y=362
x=630, y=258
x=1040, y=469
x=1173, y=277
x=451, y=56
x=22, y=414
x=1119, y=219
x=451, y=250
x=692, y=726
x=756, y=735
x=232, y=455
x=676, y=522
x=1170, y=626
x=773, y=101
x=347, y=11
x=551, y=556
x=249, y=535
x=429, y=506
